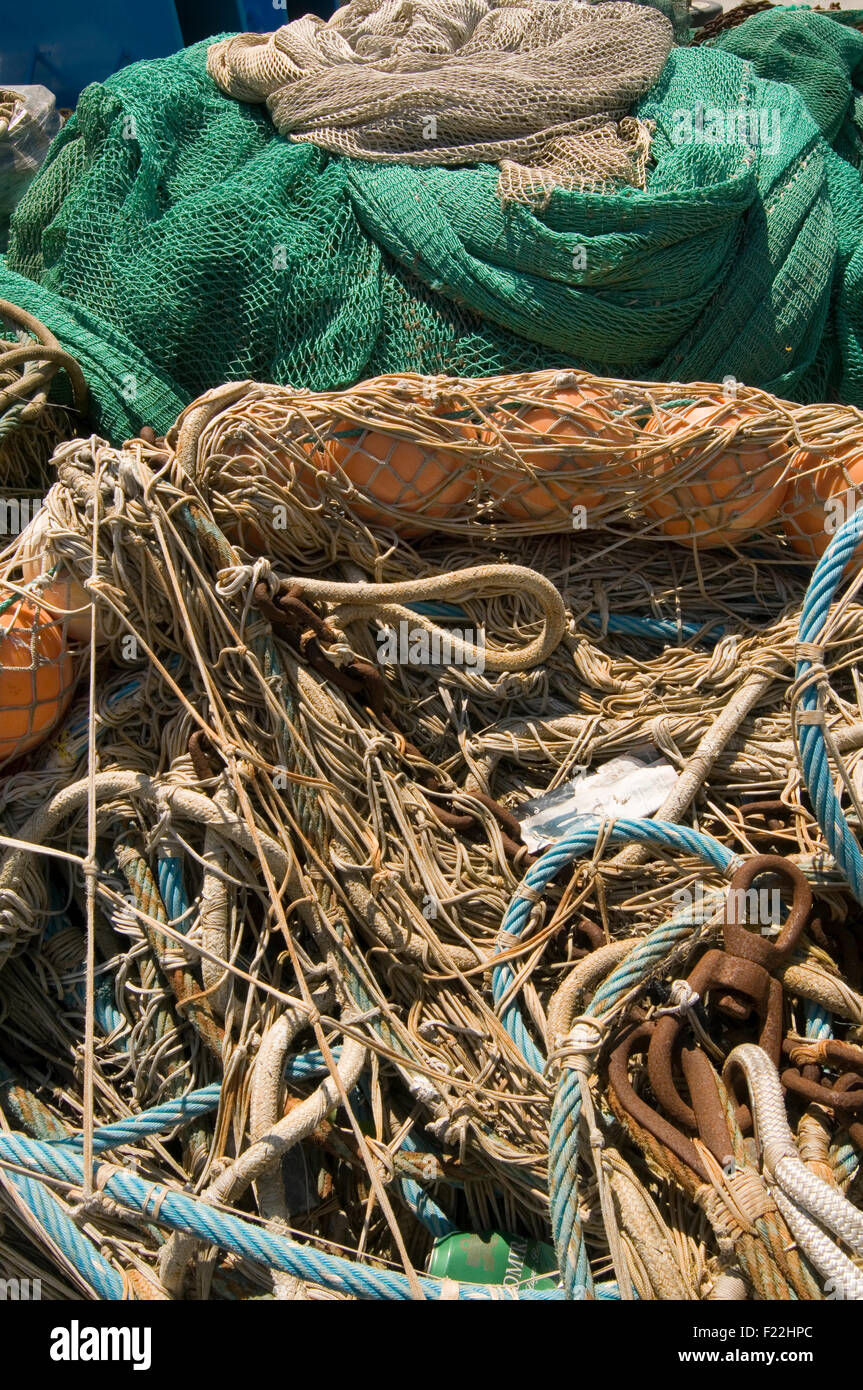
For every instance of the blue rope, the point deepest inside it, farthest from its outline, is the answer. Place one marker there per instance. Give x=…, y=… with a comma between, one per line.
x=185, y=1108
x=421, y=1202
x=189, y=1107
x=307, y=1065
x=818, y=1022
x=154, y=1121
x=658, y=834
x=566, y=1109
x=810, y=737
x=663, y=629
x=812, y=747
x=181, y=1212
x=61, y=1229
x=845, y=1161
x=169, y=874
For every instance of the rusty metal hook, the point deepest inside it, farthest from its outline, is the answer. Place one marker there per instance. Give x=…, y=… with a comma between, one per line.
x=741, y=971
x=638, y=1039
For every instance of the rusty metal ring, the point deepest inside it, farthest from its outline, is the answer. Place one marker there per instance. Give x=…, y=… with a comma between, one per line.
x=740, y=942
x=844, y=1102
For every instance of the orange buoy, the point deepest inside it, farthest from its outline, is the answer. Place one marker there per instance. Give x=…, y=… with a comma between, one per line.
x=560, y=436
x=62, y=595
x=424, y=482
x=37, y=674
x=738, y=490
x=822, y=495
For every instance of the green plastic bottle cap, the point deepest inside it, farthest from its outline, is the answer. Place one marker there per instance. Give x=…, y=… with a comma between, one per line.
x=494, y=1258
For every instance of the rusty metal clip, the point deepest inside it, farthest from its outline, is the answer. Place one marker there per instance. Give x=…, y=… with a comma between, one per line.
x=640, y=1039
x=841, y=1095
x=742, y=972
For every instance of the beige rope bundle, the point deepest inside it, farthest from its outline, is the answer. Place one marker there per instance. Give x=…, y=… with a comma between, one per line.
x=30, y=427
x=542, y=87
x=328, y=837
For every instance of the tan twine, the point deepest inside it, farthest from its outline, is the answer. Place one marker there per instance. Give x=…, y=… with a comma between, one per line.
x=543, y=89
x=346, y=849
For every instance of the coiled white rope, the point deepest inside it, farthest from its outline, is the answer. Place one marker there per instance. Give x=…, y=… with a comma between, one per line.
x=801, y=1196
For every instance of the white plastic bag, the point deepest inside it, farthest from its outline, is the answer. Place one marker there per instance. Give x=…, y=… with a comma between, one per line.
x=29, y=120
x=633, y=785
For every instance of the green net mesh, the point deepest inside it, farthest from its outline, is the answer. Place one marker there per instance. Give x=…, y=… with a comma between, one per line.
x=177, y=242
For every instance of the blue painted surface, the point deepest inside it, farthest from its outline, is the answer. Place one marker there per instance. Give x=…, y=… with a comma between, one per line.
x=261, y=15
x=65, y=46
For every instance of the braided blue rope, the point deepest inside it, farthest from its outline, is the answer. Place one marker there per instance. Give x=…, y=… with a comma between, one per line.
x=169, y=874
x=185, y=1108
x=810, y=737
x=818, y=1022
x=657, y=834
x=189, y=1107
x=563, y=1135
x=566, y=1109
x=58, y=1225
x=426, y=1209
x=663, y=629
x=181, y=1212
x=61, y=1229
x=155, y=1121
x=307, y=1065
x=421, y=1202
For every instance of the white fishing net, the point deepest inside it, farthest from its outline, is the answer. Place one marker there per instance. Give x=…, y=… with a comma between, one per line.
x=542, y=87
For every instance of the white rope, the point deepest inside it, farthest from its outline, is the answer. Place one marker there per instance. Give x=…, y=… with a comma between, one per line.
x=792, y=1184
x=384, y=601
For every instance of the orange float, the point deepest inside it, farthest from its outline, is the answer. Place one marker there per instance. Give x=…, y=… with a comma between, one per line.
x=37, y=674
x=574, y=422
x=737, y=492
x=61, y=594
x=424, y=482
x=809, y=520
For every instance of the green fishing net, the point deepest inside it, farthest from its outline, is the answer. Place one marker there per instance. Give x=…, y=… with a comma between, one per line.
x=176, y=241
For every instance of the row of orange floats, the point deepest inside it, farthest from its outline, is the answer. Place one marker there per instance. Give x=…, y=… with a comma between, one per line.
x=744, y=487
x=741, y=489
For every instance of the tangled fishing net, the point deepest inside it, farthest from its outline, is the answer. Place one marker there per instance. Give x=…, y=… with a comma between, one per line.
x=331, y=992
x=174, y=240
x=539, y=89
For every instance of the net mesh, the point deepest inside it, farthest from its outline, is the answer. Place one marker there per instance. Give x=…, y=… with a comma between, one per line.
x=540, y=85
x=179, y=242
x=267, y=780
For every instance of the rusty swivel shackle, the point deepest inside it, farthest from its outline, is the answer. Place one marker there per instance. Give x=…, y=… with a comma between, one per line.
x=739, y=978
